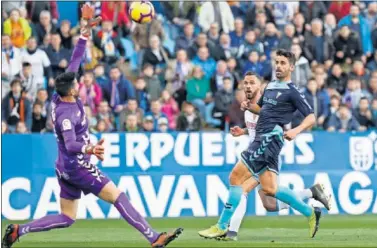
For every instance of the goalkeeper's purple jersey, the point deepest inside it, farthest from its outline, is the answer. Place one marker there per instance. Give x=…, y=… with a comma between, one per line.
x=70, y=123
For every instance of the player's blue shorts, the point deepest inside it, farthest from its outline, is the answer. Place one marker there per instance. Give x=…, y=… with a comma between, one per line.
x=263, y=154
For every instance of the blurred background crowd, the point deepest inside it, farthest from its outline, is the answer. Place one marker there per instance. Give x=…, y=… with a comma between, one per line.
x=183, y=70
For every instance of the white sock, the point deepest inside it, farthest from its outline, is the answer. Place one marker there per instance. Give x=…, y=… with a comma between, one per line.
x=238, y=215
x=303, y=194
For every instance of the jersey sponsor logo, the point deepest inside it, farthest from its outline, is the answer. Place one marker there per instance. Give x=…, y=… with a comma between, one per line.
x=67, y=125
x=269, y=100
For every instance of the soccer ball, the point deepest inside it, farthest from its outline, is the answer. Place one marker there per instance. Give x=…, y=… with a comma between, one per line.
x=142, y=12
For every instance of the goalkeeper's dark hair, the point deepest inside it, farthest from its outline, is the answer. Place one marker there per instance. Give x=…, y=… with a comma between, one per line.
x=64, y=83
x=289, y=55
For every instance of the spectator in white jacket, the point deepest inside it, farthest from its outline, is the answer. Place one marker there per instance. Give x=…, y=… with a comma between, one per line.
x=219, y=12
x=39, y=61
x=11, y=63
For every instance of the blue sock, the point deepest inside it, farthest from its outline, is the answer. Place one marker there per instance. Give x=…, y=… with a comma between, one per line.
x=235, y=193
x=288, y=196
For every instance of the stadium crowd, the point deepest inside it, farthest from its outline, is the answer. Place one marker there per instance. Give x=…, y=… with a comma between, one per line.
x=183, y=70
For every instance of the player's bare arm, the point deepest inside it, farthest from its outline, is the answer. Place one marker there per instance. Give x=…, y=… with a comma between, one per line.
x=308, y=122
x=237, y=131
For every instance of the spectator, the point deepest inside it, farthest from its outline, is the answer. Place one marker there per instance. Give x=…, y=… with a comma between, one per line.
x=65, y=35
x=270, y=40
x=337, y=79
x=180, y=13
x=39, y=61
x=250, y=44
x=21, y=128
x=318, y=48
x=101, y=127
x=148, y=124
x=100, y=76
x=359, y=71
x=35, y=8
x=343, y=121
x=258, y=7
x=254, y=64
x=92, y=120
x=283, y=12
x=340, y=9
x=372, y=65
x=236, y=115
x=347, y=46
x=46, y=42
x=163, y=126
x=312, y=10
x=206, y=62
x=353, y=93
x=238, y=35
x=90, y=92
x=58, y=55
x=374, y=110
x=131, y=125
x=214, y=33
x=238, y=8
x=302, y=71
x=188, y=120
x=260, y=26
x=141, y=94
x=217, y=80
x=224, y=98
x=157, y=55
x=218, y=12
x=286, y=40
x=316, y=101
x=232, y=68
x=131, y=109
x=371, y=15
x=4, y=128
x=7, y=7
x=198, y=90
x=153, y=84
x=299, y=23
x=169, y=108
x=15, y=107
x=117, y=90
x=156, y=113
x=45, y=26
x=42, y=98
x=116, y=11
x=93, y=56
x=104, y=115
x=176, y=75
x=329, y=26
x=374, y=37
x=143, y=32
x=373, y=85
x=29, y=84
x=109, y=42
x=363, y=114
x=17, y=28
x=202, y=41
x=39, y=121
x=187, y=39
x=359, y=25
x=11, y=63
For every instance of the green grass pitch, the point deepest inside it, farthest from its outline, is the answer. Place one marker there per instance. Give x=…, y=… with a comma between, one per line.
x=284, y=231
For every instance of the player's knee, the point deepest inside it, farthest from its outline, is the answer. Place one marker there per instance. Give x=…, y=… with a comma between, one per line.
x=234, y=179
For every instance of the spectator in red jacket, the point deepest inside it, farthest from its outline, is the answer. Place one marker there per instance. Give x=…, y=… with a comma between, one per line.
x=117, y=13
x=340, y=9
x=90, y=92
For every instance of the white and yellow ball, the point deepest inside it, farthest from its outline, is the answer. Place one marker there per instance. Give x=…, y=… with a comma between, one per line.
x=141, y=11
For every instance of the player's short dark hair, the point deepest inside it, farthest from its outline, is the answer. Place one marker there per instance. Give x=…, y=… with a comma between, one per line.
x=26, y=64
x=289, y=55
x=64, y=83
x=251, y=73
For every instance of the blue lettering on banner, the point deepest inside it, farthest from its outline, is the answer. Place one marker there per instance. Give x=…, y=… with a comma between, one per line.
x=186, y=174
